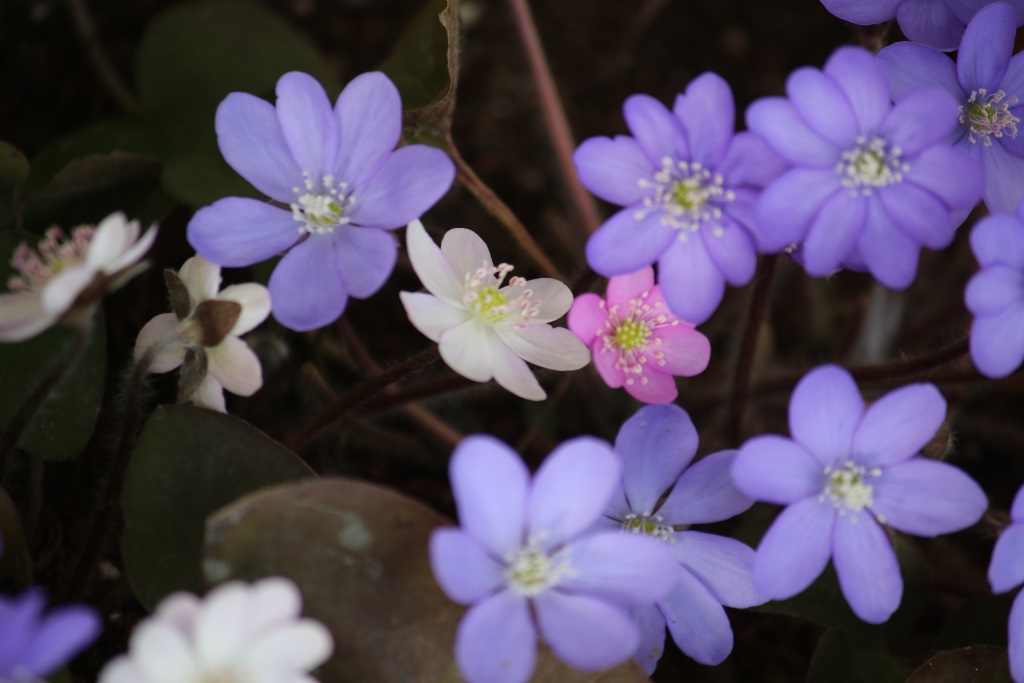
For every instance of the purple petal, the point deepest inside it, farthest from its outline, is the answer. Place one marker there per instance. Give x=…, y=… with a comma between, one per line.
x=949, y=173
x=995, y=343
x=250, y=138
x=571, y=489
x=611, y=168
x=864, y=11
x=779, y=123
x=833, y=233
x=823, y=106
x=906, y=494
x=898, y=425
x=824, y=412
x=66, y=631
x=584, y=632
x=1014, y=144
x=652, y=637
x=705, y=493
x=724, y=565
x=910, y=66
x=240, y=232
x=1004, y=179
x=861, y=77
x=463, y=568
x=731, y=249
x=308, y=123
x=920, y=119
x=750, y=161
x=919, y=213
x=994, y=289
x=1013, y=81
x=496, y=641
x=306, y=290
x=1015, y=634
x=21, y=616
x=365, y=258
x=369, y=113
x=692, y=284
x=625, y=243
x=708, y=113
x=999, y=239
x=986, y=48
x=888, y=252
x=697, y=622
x=869, y=574
x=408, y=183
x=655, y=445
x=789, y=205
x=1006, y=571
x=777, y=470
x=628, y=569
x=1017, y=509
x=930, y=22
x=490, y=486
x=795, y=550
x=658, y=132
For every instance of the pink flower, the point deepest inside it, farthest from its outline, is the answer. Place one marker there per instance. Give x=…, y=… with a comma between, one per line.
x=636, y=341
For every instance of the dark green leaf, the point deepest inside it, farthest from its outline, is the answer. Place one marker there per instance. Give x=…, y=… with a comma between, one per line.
x=978, y=664
x=15, y=563
x=14, y=170
x=841, y=659
x=189, y=462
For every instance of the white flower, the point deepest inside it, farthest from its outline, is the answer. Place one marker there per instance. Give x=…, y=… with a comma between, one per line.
x=65, y=272
x=484, y=329
x=239, y=633
x=203, y=332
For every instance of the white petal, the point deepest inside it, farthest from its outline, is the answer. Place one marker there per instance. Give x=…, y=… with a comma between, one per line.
x=113, y=235
x=548, y=347
x=64, y=287
x=512, y=372
x=161, y=331
x=467, y=350
x=431, y=266
x=465, y=252
x=303, y=645
x=22, y=316
x=122, y=670
x=273, y=600
x=550, y=297
x=430, y=315
x=220, y=630
x=134, y=252
x=180, y=610
x=163, y=654
x=210, y=394
x=255, y=302
x=201, y=277
x=235, y=366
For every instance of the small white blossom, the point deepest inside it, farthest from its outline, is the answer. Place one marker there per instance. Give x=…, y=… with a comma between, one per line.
x=484, y=327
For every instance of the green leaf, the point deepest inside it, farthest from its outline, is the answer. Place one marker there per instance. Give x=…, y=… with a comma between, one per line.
x=188, y=463
x=977, y=664
x=841, y=659
x=359, y=553
x=15, y=562
x=14, y=170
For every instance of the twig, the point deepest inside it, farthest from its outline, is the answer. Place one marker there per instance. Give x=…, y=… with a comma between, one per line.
x=94, y=51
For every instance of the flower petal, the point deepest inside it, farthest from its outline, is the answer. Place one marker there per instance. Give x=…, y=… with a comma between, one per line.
x=986, y=47
x=465, y=251
x=255, y=302
x=697, y=622
x=708, y=113
x=466, y=349
x=295, y=647
x=823, y=106
x=496, y=641
x=869, y=574
x=658, y=132
x=655, y=445
x=512, y=373
x=163, y=653
x=705, y=493
x=369, y=114
x=306, y=290
x=409, y=182
x=628, y=569
x=250, y=138
x=489, y=484
x=888, y=252
x=235, y=366
x=731, y=249
x=1017, y=508
x=749, y=161
x=201, y=278
x=724, y=565
x=930, y=23
x=995, y=343
x=64, y=632
x=584, y=632
x=220, y=628
x=587, y=317
x=463, y=568
x=692, y=284
x=911, y=65
x=776, y=470
x=612, y=167
x=999, y=239
x=919, y=214
x=161, y=332
x=624, y=243
x=834, y=232
x=236, y=231
x=22, y=316
x=1004, y=190
x=307, y=124
x=550, y=299
x=606, y=363
x=789, y=206
x=864, y=12
x=571, y=489
x=860, y=76
x=777, y=121
x=365, y=259
x=824, y=412
x=1006, y=571
x=898, y=425
x=550, y=347
x=684, y=350
x=1015, y=634
x=906, y=492
x=795, y=550
x=949, y=173
x=652, y=387
x=63, y=289
x=209, y=394
x=430, y=315
x=652, y=637
x=920, y=119
x=628, y=286
x=431, y=265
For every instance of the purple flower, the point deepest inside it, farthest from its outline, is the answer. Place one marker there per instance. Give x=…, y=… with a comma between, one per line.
x=34, y=645
x=936, y=23
x=343, y=180
x=656, y=447
x=689, y=185
x=526, y=563
x=871, y=182
x=995, y=295
x=1006, y=573
x=845, y=476
x=989, y=86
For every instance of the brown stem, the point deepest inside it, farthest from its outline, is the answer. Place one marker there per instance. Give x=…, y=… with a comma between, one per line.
x=554, y=116
x=361, y=394
x=499, y=209
x=748, y=348
x=94, y=52
x=414, y=393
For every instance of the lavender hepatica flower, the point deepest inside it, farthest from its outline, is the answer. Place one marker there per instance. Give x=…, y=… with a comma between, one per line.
x=995, y=294
x=1006, y=572
x=988, y=82
x=689, y=185
x=656, y=447
x=635, y=341
x=33, y=644
x=871, y=181
x=483, y=326
x=343, y=180
x=846, y=475
x=937, y=23
x=528, y=562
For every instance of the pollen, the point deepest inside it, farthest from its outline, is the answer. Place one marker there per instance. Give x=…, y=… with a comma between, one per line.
x=849, y=488
x=490, y=302
x=988, y=116
x=631, y=335
x=687, y=195
x=871, y=164
x=531, y=570
x=320, y=209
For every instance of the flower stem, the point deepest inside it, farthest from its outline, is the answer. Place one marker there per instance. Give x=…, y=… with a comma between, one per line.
x=499, y=209
x=12, y=435
x=361, y=394
x=414, y=393
x=94, y=52
x=748, y=349
x=557, y=124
